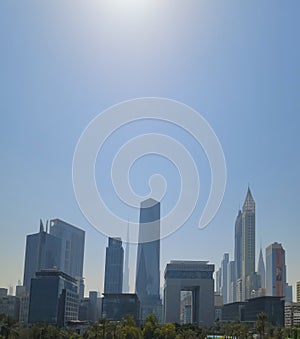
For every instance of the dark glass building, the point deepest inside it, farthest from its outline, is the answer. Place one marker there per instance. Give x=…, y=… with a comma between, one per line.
x=72, y=250
x=43, y=251
x=117, y=306
x=147, y=285
x=275, y=270
x=238, y=245
x=113, y=280
x=53, y=298
x=247, y=311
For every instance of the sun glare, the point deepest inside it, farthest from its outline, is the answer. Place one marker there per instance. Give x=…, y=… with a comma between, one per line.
x=128, y=8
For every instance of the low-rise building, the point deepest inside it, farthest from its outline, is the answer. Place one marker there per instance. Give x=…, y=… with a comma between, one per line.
x=53, y=298
x=292, y=314
x=117, y=306
x=247, y=311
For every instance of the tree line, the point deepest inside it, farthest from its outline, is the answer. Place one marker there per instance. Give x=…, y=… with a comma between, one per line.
x=151, y=329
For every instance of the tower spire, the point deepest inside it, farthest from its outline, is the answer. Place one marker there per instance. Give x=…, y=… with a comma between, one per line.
x=249, y=203
x=41, y=226
x=126, y=264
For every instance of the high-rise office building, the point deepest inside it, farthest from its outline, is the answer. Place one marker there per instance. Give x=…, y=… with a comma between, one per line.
x=72, y=250
x=193, y=276
x=275, y=270
x=148, y=257
x=261, y=269
x=72, y=254
x=248, y=244
x=238, y=245
x=53, y=298
x=126, y=266
x=224, y=288
x=218, y=281
x=298, y=292
x=113, y=280
x=43, y=251
x=231, y=282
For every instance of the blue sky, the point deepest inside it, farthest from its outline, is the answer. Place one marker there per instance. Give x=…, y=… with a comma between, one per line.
x=237, y=63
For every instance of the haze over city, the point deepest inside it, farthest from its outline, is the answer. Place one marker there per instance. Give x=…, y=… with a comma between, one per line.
x=63, y=63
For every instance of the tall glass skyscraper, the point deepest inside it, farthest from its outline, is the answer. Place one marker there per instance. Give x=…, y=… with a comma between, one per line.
x=72, y=247
x=114, y=266
x=224, y=266
x=43, y=251
x=238, y=244
x=248, y=245
x=148, y=257
x=275, y=270
x=261, y=269
x=72, y=250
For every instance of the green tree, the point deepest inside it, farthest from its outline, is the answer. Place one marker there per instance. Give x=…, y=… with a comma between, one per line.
x=9, y=327
x=240, y=330
x=150, y=327
x=97, y=330
x=261, y=324
x=168, y=331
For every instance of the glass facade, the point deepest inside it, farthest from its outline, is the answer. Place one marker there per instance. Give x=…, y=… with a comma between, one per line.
x=275, y=270
x=117, y=306
x=53, y=298
x=248, y=243
x=148, y=256
x=238, y=243
x=114, y=259
x=72, y=247
x=43, y=251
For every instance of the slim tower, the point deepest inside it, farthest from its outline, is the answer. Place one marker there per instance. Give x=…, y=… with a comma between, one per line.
x=126, y=265
x=72, y=250
x=261, y=269
x=248, y=245
x=114, y=266
x=43, y=251
x=147, y=283
x=224, y=269
x=238, y=244
x=275, y=270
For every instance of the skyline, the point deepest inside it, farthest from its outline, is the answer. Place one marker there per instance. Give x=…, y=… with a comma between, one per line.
x=237, y=64
x=117, y=244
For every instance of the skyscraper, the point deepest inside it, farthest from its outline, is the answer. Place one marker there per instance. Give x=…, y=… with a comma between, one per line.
x=224, y=267
x=114, y=266
x=148, y=257
x=298, y=292
x=72, y=254
x=72, y=250
x=238, y=244
x=275, y=270
x=248, y=245
x=218, y=281
x=126, y=266
x=261, y=269
x=43, y=251
x=231, y=282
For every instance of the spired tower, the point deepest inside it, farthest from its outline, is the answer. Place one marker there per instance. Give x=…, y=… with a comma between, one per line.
x=248, y=246
x=261, y=269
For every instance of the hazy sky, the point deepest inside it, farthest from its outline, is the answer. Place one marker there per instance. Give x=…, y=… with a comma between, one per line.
x=64, y=62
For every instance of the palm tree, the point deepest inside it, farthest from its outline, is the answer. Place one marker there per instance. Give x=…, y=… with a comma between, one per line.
x=261, y=324
x=9, y=327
